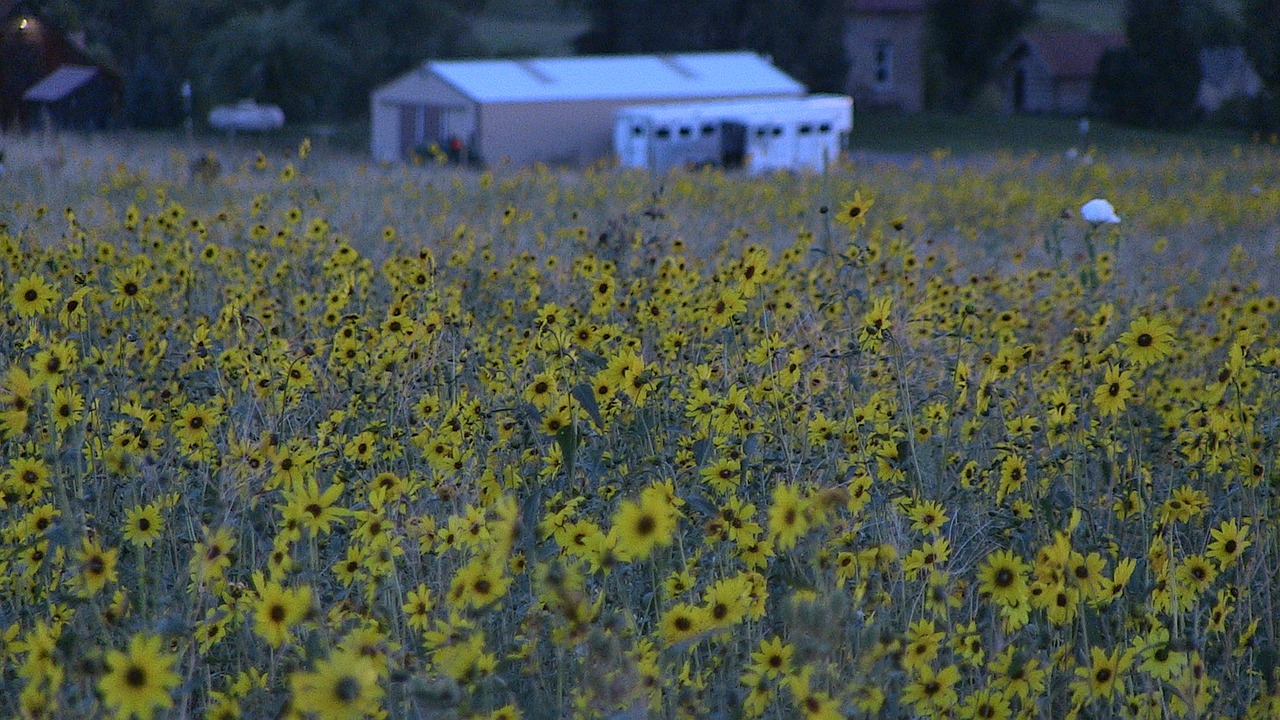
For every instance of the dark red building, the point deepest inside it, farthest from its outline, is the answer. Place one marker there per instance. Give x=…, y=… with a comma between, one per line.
x=84, y=95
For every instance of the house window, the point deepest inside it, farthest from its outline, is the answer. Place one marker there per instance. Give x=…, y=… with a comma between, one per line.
x=884, y=64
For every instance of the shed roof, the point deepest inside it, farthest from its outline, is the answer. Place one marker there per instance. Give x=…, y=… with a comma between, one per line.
x=1072, y=54
x=597, y=77
x=60, y=83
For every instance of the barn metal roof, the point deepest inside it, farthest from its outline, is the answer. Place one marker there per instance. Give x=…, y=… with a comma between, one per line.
x=725, y=74
x=60, y=83
x=775, y=107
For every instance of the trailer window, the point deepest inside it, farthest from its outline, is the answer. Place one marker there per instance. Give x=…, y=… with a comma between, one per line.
x=708, y=130
x=762, y=131
x=686, y=131
x=805, y=129
x=662, y=133
x=777, y=131
x=824, y=128
x=637, y=130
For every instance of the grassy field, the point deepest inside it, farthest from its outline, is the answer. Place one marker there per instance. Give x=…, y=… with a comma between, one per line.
x=289, y=434
x=985, y=132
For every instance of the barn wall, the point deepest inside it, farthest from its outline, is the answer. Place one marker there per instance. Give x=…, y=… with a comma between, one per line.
x=557, y=133
x=570, y=132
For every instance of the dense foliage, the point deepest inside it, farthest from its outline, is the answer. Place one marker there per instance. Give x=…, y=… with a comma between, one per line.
x=1155, y=80
x=317, y=59
x=804, y=38
x=1261, y=21
x=969, y=36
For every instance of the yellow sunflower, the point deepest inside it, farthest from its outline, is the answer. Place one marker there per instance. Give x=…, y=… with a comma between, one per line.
x=1147, y=341
x=853, y=214
x=32, y=295
x=138, y=682
x=342, y=687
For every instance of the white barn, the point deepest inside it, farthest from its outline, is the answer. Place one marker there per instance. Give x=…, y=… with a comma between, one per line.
x=758, y=135
x=553, y=110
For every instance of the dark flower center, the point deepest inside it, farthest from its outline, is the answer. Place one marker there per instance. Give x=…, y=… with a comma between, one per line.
x=347, y=689
x=646, y=525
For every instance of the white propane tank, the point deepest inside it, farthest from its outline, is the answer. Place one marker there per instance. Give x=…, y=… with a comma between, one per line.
x=246, y=116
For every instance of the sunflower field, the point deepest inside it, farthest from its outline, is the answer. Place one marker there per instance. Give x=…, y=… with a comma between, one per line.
x=284, y=435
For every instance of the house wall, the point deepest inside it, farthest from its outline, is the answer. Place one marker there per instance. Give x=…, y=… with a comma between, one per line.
x=89, y=107
x=903, y=34
x=1041, y=92
x=1037, y=94
x=1073, y=96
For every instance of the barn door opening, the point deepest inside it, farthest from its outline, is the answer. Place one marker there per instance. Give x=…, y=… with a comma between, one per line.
x=419, y=127
x=733, y=144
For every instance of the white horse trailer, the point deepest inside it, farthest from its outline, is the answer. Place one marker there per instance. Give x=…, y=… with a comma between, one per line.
x=758, y=135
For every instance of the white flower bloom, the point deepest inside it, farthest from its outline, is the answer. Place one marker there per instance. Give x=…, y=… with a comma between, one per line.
x=1098, y=211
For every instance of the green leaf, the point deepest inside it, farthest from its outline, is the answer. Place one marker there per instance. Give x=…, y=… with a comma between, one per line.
x=586, y=397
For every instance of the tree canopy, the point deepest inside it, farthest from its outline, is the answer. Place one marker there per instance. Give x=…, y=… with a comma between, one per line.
x=317, y=59
x=804, y=37
x=1154, y=81
x=969, y=35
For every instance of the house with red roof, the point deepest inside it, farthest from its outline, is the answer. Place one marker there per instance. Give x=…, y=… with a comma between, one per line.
x=1052, y=71
x=885, y=42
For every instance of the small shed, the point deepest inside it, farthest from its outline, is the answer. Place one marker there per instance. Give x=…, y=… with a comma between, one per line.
x=75, y=97
x=1052, y=72
x=553, y=110
x=32, y=50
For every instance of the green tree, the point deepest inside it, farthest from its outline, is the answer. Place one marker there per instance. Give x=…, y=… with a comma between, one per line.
x=1261, y=31
x=969, y=35
x=315, y=58
x=273, y=56
x=147, y=41
x=1261, y=21
x=804, y=37
x=381, y=39
x=1154, y=81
